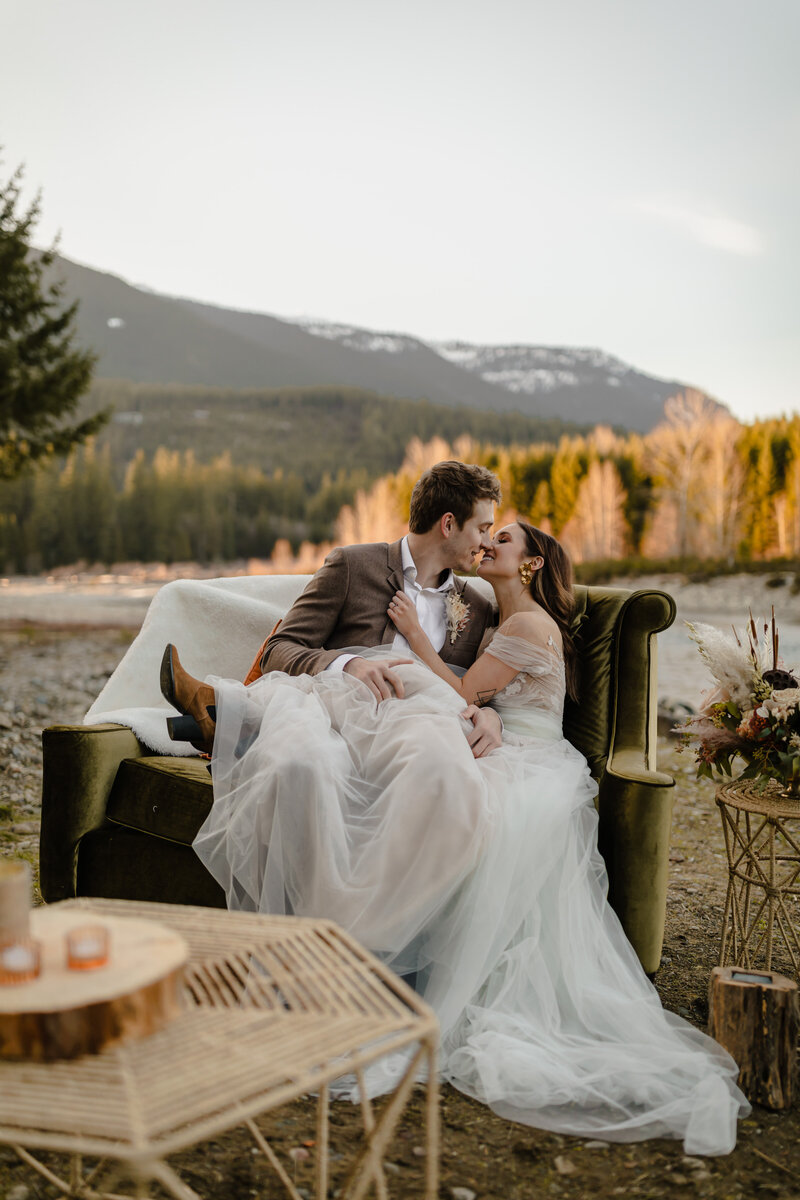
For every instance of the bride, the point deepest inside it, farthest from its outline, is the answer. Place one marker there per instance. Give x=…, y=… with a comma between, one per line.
x=481, y=875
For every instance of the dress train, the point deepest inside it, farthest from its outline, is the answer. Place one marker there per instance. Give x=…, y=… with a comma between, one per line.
x=480, y=875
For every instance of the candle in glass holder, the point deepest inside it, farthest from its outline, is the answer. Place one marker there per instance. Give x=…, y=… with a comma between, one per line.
x=19, y=961
x=15, y=900
x=87, y=947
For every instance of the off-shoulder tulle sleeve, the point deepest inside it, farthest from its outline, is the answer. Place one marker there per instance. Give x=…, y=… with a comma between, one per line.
x=522, y=654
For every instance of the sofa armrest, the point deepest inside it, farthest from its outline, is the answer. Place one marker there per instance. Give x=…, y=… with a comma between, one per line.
x=79, y=766
x=633, y=742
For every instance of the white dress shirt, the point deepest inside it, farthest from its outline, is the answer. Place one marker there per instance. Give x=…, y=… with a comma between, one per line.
x=429, y=603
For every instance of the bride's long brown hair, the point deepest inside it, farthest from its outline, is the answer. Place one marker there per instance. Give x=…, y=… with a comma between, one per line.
x=552, y=588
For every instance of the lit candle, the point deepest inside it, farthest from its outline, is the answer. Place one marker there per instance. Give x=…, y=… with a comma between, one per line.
x=87, y=947
x=19, y=961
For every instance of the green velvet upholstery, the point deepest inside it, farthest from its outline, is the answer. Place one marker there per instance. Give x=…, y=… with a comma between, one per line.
x=130, y=865
x=119, y=821
x=168, y=797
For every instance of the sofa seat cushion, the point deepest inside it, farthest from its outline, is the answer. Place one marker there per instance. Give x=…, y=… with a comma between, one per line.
x=165, y=796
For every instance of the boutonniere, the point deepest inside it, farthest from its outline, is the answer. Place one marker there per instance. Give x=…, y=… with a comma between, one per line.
x=457, y=611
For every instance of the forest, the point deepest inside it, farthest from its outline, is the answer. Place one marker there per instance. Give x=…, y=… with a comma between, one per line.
x=700, y=487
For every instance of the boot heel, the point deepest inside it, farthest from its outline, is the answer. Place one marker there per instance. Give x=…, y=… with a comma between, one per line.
x=186, y=729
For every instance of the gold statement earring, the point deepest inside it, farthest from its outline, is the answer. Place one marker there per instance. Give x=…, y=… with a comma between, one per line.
x=525, y=573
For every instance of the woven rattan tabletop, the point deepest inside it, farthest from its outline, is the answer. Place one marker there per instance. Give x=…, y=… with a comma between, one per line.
x=276, y=1007
x=752, y=795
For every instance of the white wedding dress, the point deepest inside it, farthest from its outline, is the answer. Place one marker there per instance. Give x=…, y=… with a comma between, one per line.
x=482, y=875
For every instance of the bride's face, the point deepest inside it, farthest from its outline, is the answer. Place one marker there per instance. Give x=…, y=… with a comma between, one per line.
x=507, y=550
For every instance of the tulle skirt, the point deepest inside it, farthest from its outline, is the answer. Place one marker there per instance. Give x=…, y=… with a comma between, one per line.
x=480, y=875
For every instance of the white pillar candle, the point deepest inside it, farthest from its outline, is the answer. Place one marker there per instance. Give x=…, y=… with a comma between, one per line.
x=19, y=961
x=15, y=900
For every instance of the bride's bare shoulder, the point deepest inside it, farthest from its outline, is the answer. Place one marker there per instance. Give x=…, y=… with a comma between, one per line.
x=537, y=627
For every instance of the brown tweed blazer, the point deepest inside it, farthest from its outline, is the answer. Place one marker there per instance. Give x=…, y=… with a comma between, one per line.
x=344, y=606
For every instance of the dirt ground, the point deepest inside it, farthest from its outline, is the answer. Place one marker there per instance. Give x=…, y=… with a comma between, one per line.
x=51, y=675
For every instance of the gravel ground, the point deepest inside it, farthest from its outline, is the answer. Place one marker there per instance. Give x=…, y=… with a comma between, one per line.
x=50, y=675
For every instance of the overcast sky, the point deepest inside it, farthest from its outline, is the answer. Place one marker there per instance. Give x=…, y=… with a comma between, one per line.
x=613, y=173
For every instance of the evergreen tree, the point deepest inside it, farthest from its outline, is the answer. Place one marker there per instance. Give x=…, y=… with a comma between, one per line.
x=42, y=374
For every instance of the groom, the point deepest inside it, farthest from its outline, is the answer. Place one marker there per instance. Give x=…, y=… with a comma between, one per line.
x=345, y=604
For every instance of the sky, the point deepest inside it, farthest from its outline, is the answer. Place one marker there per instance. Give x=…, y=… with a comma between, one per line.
x=614, y=173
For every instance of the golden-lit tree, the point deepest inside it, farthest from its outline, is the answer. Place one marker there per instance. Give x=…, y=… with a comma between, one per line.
x=597, y=529
x=719, y=491
x=692, y=456
x=373, y=516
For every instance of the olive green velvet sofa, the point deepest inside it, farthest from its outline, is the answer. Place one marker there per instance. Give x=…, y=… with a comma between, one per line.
x=119, y=820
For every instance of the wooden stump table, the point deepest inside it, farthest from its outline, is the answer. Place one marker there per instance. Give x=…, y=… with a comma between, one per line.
x=68, y=1012
x=273, y=1008
x=762, y=841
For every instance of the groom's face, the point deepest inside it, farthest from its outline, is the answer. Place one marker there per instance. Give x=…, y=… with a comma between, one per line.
x=465, y=544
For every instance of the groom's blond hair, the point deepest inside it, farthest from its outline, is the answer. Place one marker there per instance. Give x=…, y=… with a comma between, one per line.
x=450, y=487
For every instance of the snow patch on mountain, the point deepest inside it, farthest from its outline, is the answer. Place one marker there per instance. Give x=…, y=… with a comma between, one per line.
x=365, y=340
x=532, y=369
x=522, y=369
x=517, y=380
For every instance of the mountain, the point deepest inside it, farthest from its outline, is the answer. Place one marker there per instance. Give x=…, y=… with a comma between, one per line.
x=146, y=337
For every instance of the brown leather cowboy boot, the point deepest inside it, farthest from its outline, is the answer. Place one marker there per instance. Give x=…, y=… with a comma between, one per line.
x=194, y=699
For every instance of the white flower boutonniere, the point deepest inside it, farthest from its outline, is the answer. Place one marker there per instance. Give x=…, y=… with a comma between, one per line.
x=457, y=611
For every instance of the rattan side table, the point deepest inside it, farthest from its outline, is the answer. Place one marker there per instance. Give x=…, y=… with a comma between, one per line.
x=275, y=1007
x=762, y=841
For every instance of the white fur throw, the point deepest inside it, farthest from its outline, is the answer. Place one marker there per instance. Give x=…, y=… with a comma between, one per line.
x=217, y=626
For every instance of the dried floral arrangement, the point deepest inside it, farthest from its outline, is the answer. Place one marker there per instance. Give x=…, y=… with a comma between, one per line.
x=754, y=711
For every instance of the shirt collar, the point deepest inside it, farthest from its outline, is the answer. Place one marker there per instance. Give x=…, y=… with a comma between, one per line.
x=410, y=569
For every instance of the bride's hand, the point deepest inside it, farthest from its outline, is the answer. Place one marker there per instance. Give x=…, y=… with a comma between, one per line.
x=404, y=614
x=487, y=730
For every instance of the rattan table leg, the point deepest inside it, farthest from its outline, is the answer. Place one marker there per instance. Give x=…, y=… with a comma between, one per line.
x=730, y=895
x=368, y=1117
x=746, y=890
x=76, y=1171
x=771, y=895
x=79, y=1186
x=368, y=1166
x=432, y=1119
x=41, y=1169
x=323, y=1111
x=272, y=1159
x=171, y=1182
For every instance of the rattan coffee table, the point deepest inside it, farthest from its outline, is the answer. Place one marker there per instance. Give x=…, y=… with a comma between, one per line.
x=276, y=1007
x=762, y=840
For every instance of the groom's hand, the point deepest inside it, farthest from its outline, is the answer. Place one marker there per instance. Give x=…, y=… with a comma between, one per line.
x=487, y=730
x=379, y=677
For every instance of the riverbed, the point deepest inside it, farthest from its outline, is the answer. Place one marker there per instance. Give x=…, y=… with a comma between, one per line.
x=121, y=599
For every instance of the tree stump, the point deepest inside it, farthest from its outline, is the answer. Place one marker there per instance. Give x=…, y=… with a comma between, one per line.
x=64, y=1013
x=754, y=1015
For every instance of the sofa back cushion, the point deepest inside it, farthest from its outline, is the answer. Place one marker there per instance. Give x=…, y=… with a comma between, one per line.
x=588, y=722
